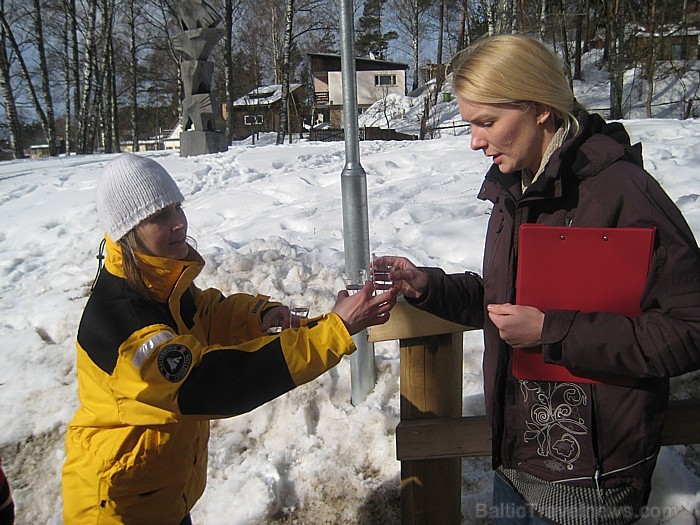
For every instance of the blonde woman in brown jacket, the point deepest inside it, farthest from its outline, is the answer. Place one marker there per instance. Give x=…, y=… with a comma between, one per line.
x=565, y=452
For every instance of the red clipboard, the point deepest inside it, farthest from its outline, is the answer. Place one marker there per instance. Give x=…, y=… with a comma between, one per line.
x=586, y=269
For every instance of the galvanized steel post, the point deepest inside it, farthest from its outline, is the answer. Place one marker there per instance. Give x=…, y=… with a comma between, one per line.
x=354, y=192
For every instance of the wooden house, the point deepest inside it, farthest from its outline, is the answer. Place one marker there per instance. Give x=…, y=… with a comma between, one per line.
x=259, y=111
x=375, y=80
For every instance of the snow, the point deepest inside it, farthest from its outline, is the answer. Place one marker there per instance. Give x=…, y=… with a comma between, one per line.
x=268, y=219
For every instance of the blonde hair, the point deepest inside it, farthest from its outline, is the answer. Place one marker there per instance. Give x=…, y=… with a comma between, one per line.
x=514, y=69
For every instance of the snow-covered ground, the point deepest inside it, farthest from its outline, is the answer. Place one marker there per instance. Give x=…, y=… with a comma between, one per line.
x=268, y=219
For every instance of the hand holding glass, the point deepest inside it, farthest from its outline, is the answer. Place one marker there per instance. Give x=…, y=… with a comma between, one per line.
x=298, y=311
x=354, y=281
x=380, y=272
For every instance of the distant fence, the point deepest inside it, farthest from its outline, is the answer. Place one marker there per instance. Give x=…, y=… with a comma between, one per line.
x=329, y=135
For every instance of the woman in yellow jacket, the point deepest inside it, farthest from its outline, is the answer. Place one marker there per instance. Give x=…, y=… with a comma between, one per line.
x=158, y=358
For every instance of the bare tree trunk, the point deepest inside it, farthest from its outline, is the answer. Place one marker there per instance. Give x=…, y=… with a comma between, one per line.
x=94, y=135
x=578, y=37
x=415, y=43
x=490, y=13
x=616, y=66
x=276, y=47
x=543, y=19
x=439, y=73
x=463, y=26
x=651, y=58
x=13, y=122
x=103, y=89
x=587, y=31
x=44, y=69
x=565, y=43
x=427, y=105
x=75, y=53
x=24, y=70
x=133, y=70
x=67, y=78
x=287, y=51
x=114, y=121
x=89, y=72
x=521, y=16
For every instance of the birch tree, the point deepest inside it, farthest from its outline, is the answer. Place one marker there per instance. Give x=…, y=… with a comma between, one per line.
x=50, y=119
x=284, y=107
x=47, y=127
x=14, y=125
x=85, y=105
x=67, y=79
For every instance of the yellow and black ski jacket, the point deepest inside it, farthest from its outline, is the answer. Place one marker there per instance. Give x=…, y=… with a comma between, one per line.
x=151, y=374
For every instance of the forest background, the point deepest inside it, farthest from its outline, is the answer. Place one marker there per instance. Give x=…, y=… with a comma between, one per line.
x=101, y=74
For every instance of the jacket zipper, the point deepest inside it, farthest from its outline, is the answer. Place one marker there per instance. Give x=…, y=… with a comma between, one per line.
x=598, y=473
x=601, y=475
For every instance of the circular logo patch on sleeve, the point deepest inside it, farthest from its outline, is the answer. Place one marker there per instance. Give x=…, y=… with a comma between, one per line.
x=174, y=361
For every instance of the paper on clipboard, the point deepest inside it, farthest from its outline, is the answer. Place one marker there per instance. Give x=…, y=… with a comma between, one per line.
x=586, y=269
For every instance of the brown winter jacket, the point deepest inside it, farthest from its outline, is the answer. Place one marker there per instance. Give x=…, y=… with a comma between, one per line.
x=606, y=435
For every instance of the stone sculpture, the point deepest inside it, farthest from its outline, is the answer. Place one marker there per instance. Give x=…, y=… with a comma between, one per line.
x=201, y=112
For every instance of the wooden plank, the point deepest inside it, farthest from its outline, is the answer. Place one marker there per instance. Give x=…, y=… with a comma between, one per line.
x=471, y=436
x=407, y=322
x=445, y=437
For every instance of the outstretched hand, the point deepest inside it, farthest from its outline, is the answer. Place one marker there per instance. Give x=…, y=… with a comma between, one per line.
x=519, y=326
x=408, y=279
x=364, y=309
x=276, y=316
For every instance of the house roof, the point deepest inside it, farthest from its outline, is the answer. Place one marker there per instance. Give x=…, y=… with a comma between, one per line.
x=331, y=62
x=263, y=95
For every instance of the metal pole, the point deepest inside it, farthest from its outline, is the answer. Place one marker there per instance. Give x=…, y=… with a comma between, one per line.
x=354, y=192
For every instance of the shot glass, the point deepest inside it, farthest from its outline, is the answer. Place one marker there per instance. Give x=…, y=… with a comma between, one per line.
x=298, y=311
x=355, y=281
x=380, y=273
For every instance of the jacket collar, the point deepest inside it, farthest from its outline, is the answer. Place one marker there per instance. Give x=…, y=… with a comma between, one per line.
x=595, y=147
x=160, y=274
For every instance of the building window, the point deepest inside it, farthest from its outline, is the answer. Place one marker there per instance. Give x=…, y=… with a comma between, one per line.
x=384, y=80
x=253, y=120
x=677, y=52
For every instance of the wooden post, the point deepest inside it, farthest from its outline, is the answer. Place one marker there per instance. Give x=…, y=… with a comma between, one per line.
x=431, y=387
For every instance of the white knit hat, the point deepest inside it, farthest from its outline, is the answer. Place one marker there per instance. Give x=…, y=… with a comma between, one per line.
x=131, y=189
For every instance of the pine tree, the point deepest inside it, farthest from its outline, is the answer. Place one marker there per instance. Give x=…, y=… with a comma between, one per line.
x=371, y=41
